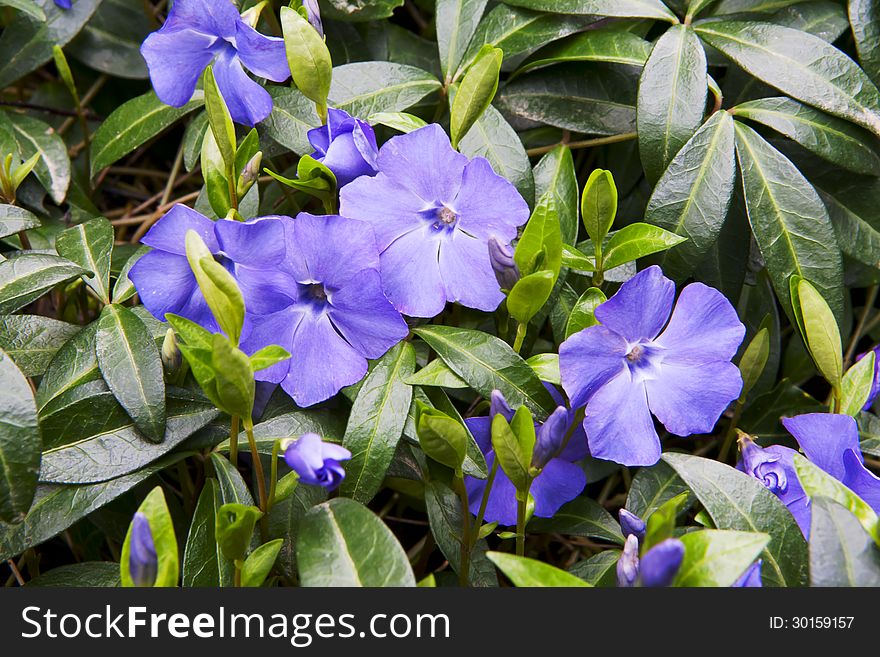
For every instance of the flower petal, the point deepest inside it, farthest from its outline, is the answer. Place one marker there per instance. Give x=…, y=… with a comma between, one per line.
x=641, y=307
x=411, y=274
x=559, y=482
x=704, y=326
x=278, y=328
x=481, y=429
x=169, y=233
x=860, y=480
x=488, y=205
x=467, y=273
x=215, y=17
x=619, y=425
x=824, y=437
x=253, y=243
x=501, y=507
x=261, y=55
x=247, y=101
x=330, y=249
x=689, y=399
x=588, y=360
x=175, y=60
x=389, y=207
x=164, y=281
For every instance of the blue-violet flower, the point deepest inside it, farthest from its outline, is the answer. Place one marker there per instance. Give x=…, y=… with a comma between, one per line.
x=316, y=462
x=143, y=563
x=346, y=146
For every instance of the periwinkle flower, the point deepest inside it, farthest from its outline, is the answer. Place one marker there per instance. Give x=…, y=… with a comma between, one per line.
x=632, y=525
x=434, y=212
x=875, y=384
x=64, y=4
x=143, y=563
x=646, y=357
x=656, y=568
x=346, y=146
x=317, y=462
x=751, y=578
x=316, y=291
x=199, y=32
x=628, y=563
x=560, y=479
x=163, y=277
x=313, y=11
x=503, y=264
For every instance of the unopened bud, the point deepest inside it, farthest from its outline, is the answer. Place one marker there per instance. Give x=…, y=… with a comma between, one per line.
x=503, y=264
x=250, y=173
x=313, y=14
x=628, y=564
x=143, y=564
x=172, y=359
x=632, y=525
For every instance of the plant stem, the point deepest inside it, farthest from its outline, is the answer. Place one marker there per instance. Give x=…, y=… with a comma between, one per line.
x=731, y=430
x=236, y=578
x=233, y=441
x=521, y=524
x=587, y=143
x=486, y=491
x=464, y=567
x=273, y=476
x=259, y=474
x=521, y=330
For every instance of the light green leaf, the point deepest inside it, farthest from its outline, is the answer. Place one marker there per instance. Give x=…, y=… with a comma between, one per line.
x=718, y=558
x=475, y=93
x=582, y=315
x=259, y=562
x=525, y=572
x=307, y=56
x=164, y=540
x=637, y=241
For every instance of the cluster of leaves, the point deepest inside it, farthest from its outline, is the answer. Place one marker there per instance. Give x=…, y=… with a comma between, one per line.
x=732, y=142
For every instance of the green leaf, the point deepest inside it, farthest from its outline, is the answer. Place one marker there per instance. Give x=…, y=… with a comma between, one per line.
x=400, y=121
x=514, y=449
x=234, y=378
x=203, y=563
x=359, y=10
x=27, y=277
x=123, y=288
x=817, y=483
x=856, y=386
x=32, y=340
x=220, y=120
x=599, y=204
x=376, y=422
x=672, y=98
x=598, y=570
x=235, y=528
x=365, y=88
x=754, y=360
x=435, y=373
x=19, y=443
x=131, y=366
x=737, y=501
x=613, y=8
x=693, y=195
x=233, y=489
x=580, y=517
x=90, y=454
x=26, y=44
x=529, y=294
x=441, y=437
x=110, y=42
x=14, y=220
x=789, y=222
x=293, y=115
x=609, y=45
x=864, y=17
x=456, y=22
x=35, y=137
x=492, y=137
x=133, y=124
x=474, y=463
x=290, y=425
x=75, y=363
x=28, y=7
x=285, y=519
x=718, y=558
x=259, y=562
x=268, y=356
x=842, y=553
x=546, y=366
x=475, y=93
x=342, y=543
x=164, y=540
x=574, y=259
x=637, y=241
x=90, y=246
x=307, y=56
x=525, y=572
x=836, y=140
x=488, y=363
x=801, y=65
x=540, y=247
x=219, y=288
x=652, y=487
x=91, y=574
x=820, y=332
x=555, y=175
x=660, y=524
x=582, y=315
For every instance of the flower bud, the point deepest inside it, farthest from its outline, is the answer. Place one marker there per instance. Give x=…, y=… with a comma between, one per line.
x=499, y=406
x=313, y=13
x=143, y=563
x=632, y=525
x=550, y=438
x=660, y=564
x=628, y=564
x=503, y=264
x=317, y=462
x=346, y=145
x=249, y=174
x=172, y=359
x=763, y=465
x=875, y=385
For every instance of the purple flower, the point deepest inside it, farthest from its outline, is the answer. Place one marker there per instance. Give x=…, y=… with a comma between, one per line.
x=199, y=32
x=320, y=298
x=630, y=366
x=143, y=564
x=314, y=14
x=434, y=212
x=751, y=578
x=64, y=4
x=560, y=480
x=632, y=525
x=773, y=467
x=501, y=256
x=163, y=277
x=875, y=385
x=346, y=146
x=656, y=568
x=317, y=462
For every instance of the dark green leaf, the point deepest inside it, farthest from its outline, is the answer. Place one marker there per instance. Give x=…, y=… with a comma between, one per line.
x=652, y=487
x=456, y=22
x=602, y=45
x=28, y=7
x=359, y=10
x=580, y=517
x=864, y=16
x=582, y=315
x=19, y=442
x=203, y=564
x=323, y=422
x=90, y=245
x=598, y=570
x=365, y=88
x=32, y=340
x=110, y=42
x=14, y=219
x=34, y=136
x=555, y=174
x=27, y=277
x=285, y=519
x=77, y=575
x=616, y=8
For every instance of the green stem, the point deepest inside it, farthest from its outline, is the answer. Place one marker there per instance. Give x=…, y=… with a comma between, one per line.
x=464, y=567
x=233, y=191
x=521, y=524
x=273, y=476
x=486, y=491
x=236, y=578
x=521, y=330
x=587, y=143
x=259, y=474
x=731, y=430
x=233, y=441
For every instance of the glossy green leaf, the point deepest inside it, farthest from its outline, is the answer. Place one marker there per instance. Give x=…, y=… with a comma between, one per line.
x=155, y=509
x=133, y=124
x=203, y=563
x=78, y=575
x=789, y=222
x=856, y=386
x=130, y=363
x=718, y=558
x=34, y=137
x=555, y=174
x=836, y=140
x=74, y=363
x=14, y=219
x=488, y=363
x=400, y=121
x=365, y=88
x=437, y=373
x=864, y=17
x=110, y=42
x=441, y=437
x=90, y=245
x=292, y=425
x=637, y=241
x=529, y=295
x=285, y=519
x=456, y=21
x=292, y=116
x=601, y=45
x=652, y=487
x=33, y=340
x=672, y=98
x=582, y=315
x=614, y=8
x=307, y=56
x=599, y=204
x=694, y=194
x=574, y=259
x=734, y=500
x=525, y=572
x=233, y=489
x=820, y=332
x=376, y=422
x=598, y=570
x=27, y=277
x=842, y=553
x=259, y=562
x=475, y=93
x=540, y=247
x=546, y=366
x=342, y=543
x=801, y=65
x=19, y=443
x=580, y=517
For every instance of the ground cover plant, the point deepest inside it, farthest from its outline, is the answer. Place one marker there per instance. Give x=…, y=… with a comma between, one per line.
x=453, y=293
